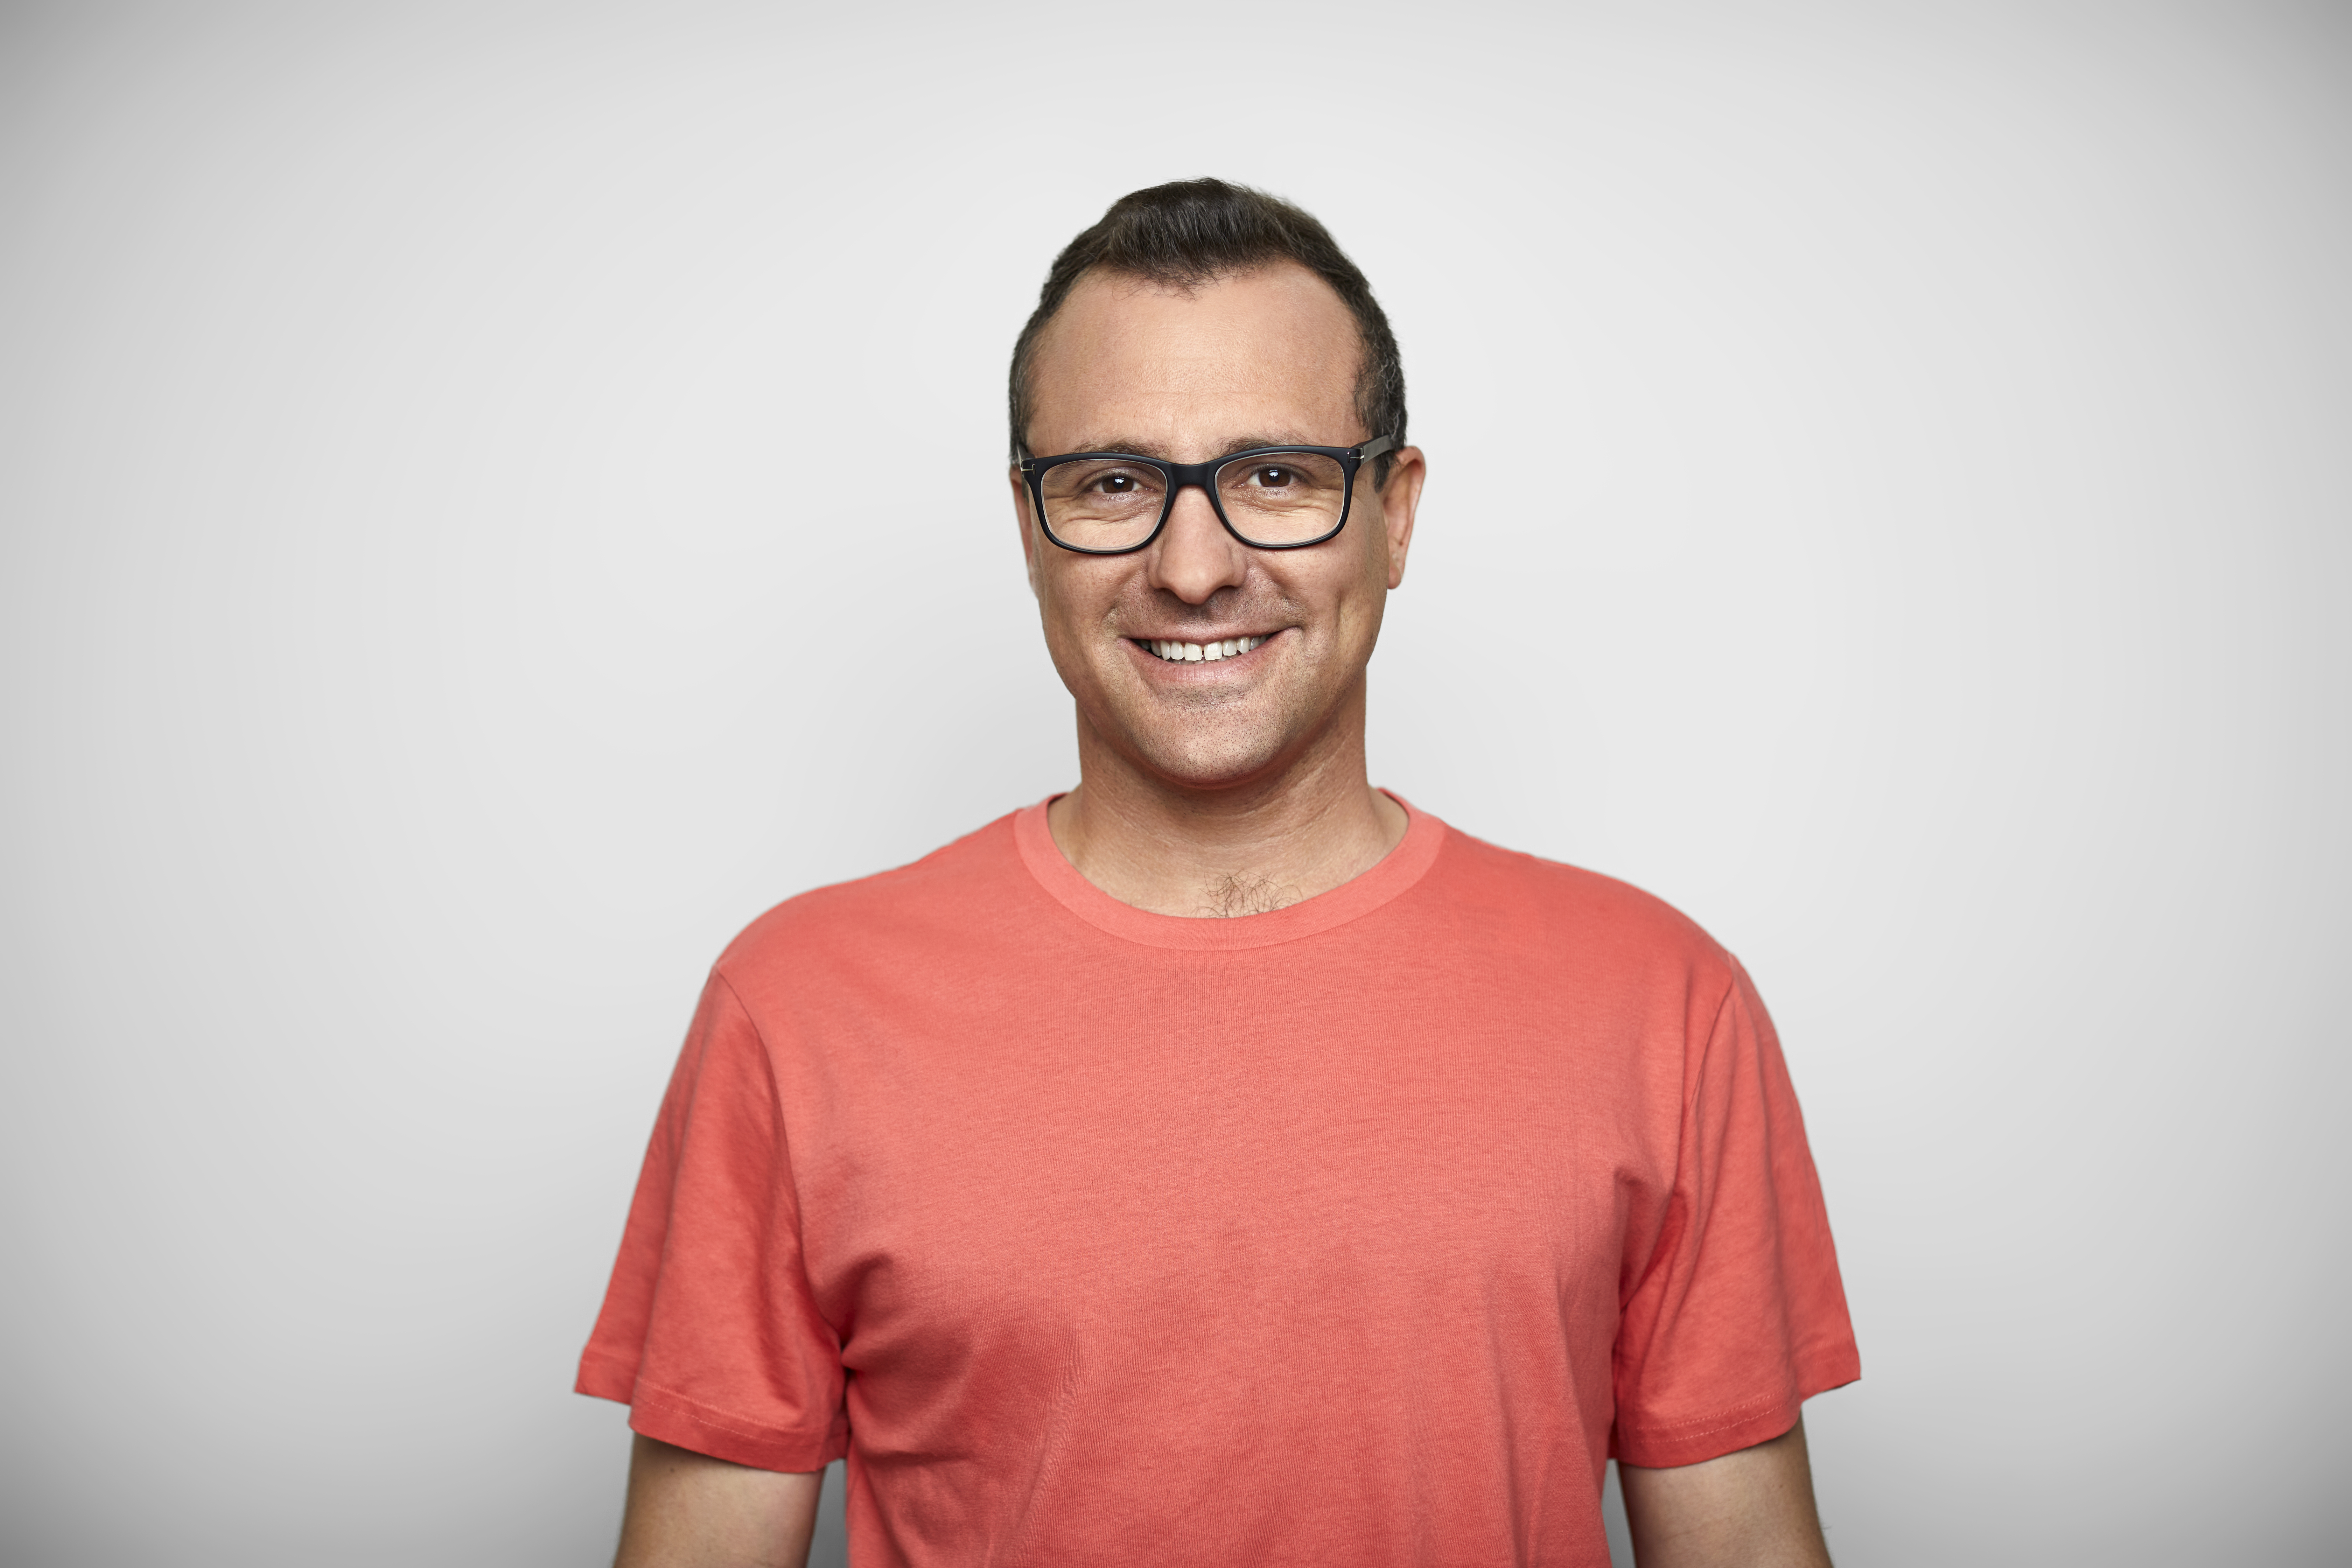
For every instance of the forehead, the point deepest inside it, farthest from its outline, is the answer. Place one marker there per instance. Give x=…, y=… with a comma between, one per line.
x=1272, y=351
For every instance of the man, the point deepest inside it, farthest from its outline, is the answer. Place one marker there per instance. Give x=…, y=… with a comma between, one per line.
x=1224, y=1162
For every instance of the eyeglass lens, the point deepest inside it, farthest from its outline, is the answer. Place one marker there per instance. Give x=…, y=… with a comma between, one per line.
x=1270, y=498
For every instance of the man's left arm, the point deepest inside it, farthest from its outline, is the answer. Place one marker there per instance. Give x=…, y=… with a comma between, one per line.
x=1750, y=1509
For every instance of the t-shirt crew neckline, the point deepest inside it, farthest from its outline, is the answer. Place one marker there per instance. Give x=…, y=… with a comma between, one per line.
x=1394, y=872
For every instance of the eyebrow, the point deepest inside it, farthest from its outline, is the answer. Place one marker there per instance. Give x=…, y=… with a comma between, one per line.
x=1236, y=444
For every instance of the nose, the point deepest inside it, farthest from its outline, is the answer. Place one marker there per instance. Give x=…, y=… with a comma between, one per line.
x=1194, y=556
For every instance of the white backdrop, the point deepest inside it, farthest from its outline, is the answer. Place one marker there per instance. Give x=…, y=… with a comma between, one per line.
x=1889, y=496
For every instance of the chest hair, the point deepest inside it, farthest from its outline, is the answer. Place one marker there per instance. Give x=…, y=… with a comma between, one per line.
x=1237, y=893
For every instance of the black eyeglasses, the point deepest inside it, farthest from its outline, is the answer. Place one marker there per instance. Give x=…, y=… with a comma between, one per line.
x=1269, y=498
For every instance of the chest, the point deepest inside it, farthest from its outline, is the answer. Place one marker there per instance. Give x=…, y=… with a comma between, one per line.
x=1163, y=1154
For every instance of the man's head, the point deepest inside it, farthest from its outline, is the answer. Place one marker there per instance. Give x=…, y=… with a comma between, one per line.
x=1193, y=231
x=1194, y=321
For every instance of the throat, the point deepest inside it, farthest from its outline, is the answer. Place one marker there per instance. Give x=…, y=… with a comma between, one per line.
x=1188, y=858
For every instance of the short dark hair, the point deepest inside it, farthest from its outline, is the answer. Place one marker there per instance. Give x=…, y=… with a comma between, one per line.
x=1192, y=232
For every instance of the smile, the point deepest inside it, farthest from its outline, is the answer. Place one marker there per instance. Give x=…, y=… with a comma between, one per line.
x=1196, y=652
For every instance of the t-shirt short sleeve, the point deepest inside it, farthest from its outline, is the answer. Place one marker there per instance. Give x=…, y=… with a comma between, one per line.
x=709, y=1332
x=1737, y=1317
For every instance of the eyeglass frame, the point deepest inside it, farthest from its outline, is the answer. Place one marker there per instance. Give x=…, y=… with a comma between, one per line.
x=1182, y=477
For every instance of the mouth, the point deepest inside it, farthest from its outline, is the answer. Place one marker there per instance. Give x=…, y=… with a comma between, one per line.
x=1210, y=652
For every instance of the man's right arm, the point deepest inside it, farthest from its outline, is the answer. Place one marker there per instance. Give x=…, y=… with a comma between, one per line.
x=690, y=1511
x=1750, y=1508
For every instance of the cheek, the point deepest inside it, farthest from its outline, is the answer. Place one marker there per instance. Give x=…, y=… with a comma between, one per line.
x=1367, y=582
x=1054, y=610
x=1073, y=601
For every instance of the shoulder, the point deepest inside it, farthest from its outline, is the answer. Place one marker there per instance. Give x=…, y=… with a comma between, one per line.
x=952, y=886
x=1527, y=898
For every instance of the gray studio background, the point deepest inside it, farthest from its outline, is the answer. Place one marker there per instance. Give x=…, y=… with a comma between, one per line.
x=493, y=497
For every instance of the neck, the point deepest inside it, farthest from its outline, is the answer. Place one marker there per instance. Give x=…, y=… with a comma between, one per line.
x=1239, y=850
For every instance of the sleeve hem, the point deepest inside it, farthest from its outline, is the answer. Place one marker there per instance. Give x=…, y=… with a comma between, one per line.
x=685, y=1423
x=1739, y=1426
x=605, y=1376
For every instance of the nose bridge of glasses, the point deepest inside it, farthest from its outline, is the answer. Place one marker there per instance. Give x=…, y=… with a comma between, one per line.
x=1195, y=486
x=1201, y=476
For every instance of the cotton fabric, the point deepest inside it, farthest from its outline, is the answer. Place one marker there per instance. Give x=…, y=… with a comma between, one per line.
x=1361, y=1232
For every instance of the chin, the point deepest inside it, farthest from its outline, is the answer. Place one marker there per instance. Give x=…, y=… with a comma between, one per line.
x=1210, y=763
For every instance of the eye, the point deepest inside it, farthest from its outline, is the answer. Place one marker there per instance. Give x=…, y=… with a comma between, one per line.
x=1273, y=476
x=1116, y=484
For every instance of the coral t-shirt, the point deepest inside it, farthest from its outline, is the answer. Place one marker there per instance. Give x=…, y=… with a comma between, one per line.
x=1358, y=1233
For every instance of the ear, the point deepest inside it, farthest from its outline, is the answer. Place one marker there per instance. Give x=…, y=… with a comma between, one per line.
x=1400, y=497
x=1028, y=535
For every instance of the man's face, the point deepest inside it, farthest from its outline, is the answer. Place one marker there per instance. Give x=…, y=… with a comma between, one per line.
x=1263, y=359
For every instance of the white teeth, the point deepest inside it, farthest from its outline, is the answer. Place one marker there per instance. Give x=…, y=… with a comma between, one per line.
x=1196, y=653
